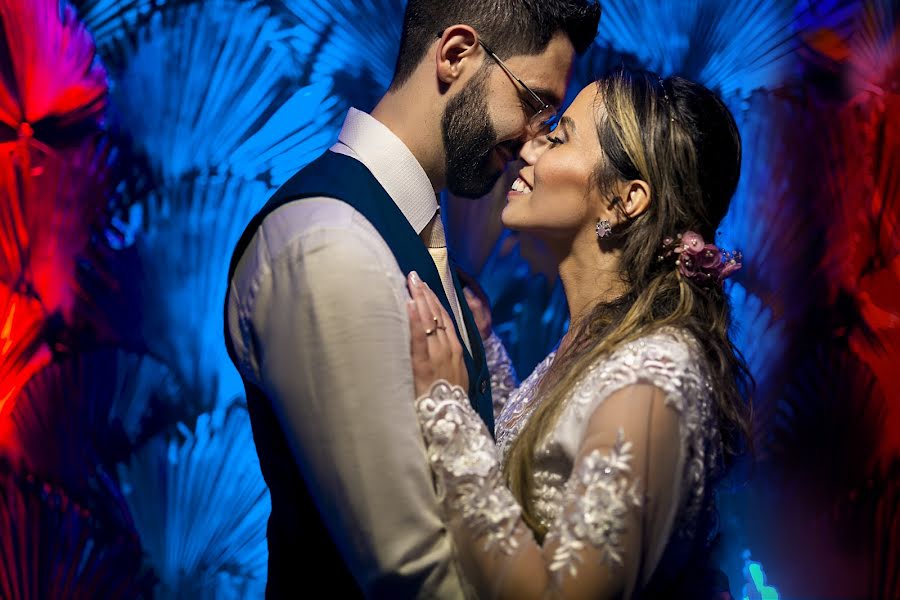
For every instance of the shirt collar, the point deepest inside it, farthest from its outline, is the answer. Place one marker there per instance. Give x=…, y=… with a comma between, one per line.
x=392, y=164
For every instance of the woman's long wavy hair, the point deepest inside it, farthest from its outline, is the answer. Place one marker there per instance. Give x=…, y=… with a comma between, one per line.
x=680, y=138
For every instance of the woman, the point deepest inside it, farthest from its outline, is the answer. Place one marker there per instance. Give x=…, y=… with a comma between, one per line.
x=601, y=481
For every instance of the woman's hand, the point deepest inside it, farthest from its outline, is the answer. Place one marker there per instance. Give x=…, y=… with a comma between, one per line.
x=481, y=312
x=436, y=351
x=478, y=303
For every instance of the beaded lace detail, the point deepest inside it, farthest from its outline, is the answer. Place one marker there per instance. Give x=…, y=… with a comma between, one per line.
x=466, y=467
x=663, y=359
x=602, y=492
x=519, y=406
x=503, y=375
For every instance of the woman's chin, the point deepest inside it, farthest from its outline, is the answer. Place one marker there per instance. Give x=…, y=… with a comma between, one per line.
x=517, y=217
x=508, y=218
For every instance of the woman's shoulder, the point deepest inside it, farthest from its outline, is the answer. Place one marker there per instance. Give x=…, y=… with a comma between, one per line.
x=676, y=342
x=665, y=349
x=668, y=358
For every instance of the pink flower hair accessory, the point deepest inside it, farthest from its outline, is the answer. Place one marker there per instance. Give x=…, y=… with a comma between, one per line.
x=703, y=263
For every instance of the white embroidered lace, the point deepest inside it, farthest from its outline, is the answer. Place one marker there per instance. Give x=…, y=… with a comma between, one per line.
x=503, y=375
x=602, y=496
x=467, y=472
x=585, y=505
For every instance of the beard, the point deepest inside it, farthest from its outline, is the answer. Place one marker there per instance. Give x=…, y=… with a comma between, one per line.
x=469, y=138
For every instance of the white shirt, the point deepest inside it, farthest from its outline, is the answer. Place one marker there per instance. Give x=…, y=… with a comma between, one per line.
x=317, y=315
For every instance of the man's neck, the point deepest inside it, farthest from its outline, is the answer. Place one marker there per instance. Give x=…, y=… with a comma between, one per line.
x=416, y=124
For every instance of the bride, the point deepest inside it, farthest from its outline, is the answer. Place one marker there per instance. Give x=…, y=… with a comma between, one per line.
x=601, y=482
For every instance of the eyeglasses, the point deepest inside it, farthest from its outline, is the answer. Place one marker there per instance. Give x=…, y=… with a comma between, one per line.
x=544, y=118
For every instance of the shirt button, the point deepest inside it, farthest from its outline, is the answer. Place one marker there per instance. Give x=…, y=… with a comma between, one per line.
x=483, y=386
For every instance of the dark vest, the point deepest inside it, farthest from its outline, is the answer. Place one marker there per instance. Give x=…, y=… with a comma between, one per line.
x=295, y=527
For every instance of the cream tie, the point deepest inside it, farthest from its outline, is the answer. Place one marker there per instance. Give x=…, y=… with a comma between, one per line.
x=433, y=236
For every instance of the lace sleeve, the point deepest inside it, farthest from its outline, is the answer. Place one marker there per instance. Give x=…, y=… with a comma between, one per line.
x=595, y=547
x=503, y=374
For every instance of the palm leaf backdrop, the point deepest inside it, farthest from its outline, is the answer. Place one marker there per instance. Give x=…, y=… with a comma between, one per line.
x=126, y=178
x=55, y=546
x=51, y=92
x=97, y=406
x=200, y=505
x=23, y=350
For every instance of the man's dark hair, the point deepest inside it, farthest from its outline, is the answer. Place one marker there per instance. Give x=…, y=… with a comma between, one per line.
x=509, y=27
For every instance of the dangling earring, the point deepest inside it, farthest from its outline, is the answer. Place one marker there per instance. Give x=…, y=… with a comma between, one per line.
x=603, y=228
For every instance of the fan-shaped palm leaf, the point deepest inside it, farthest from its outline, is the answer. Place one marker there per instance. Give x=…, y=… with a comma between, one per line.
x=55, y=547
x=49, y=80
x=874, y=55
x=52, y=178
x=361, y=71
x=757, y=332
x=192, y=110
x=113, y=20
x=597, y=61
x=191, y=229
x=200, y=505
x=22, y=348
x=50, y=201
x=770, y=216
x=735, y=47
x=311, y=116
x=96, y=407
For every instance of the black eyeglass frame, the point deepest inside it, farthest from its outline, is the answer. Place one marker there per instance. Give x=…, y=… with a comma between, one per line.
x=545, y=116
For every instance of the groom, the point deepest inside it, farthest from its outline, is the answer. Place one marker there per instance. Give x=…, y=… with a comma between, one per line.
x=316, y=318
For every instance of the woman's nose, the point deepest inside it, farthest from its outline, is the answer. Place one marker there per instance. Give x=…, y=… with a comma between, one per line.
x=533, y=148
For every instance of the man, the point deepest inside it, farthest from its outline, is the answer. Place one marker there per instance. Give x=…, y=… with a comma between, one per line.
x=316, y=318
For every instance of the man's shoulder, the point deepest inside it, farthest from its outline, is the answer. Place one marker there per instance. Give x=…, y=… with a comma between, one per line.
x=327, y=228
x=306, y=215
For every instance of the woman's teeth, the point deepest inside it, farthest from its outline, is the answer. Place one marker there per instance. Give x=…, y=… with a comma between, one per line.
x=520, y=186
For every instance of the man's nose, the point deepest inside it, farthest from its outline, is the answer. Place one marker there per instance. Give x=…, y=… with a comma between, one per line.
x=533, y=148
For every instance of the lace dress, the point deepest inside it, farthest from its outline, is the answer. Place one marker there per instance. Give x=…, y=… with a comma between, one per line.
x=623, y=482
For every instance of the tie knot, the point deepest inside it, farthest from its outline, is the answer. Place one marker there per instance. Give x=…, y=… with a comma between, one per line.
x=433, y=234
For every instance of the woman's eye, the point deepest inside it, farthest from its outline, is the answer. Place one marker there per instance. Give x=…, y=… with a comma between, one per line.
x=554, y=140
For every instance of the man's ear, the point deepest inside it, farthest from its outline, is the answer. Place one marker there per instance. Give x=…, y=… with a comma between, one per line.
x=457, y=51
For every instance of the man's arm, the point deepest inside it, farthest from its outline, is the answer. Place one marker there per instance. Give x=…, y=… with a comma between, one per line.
x=332, y=342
